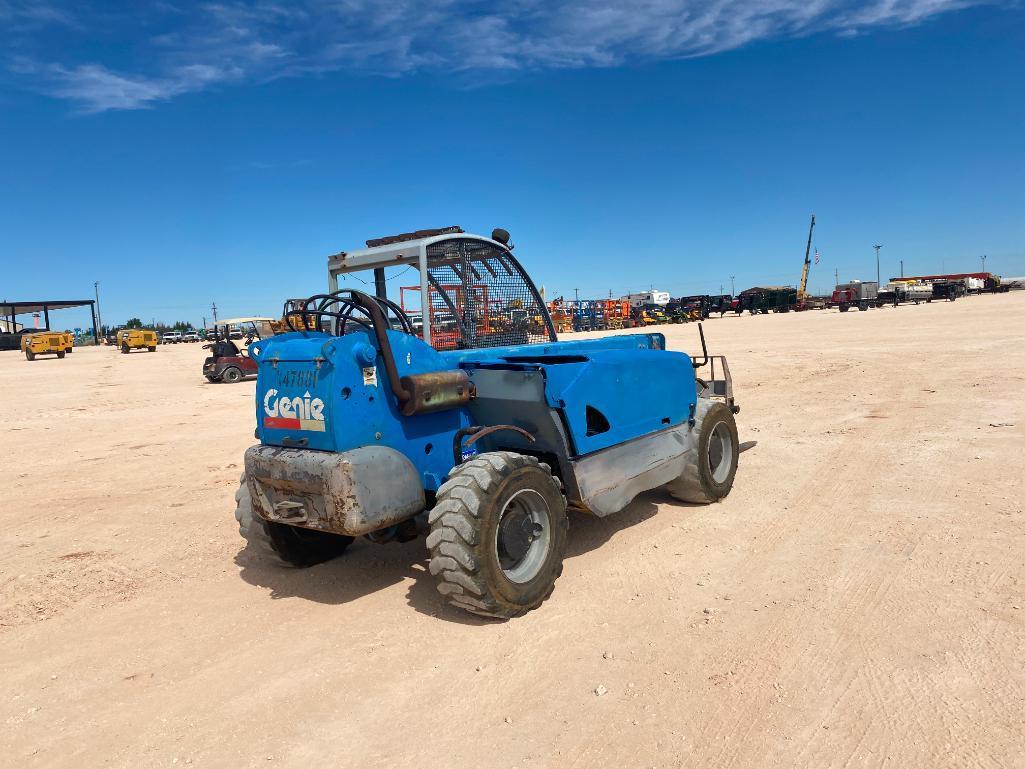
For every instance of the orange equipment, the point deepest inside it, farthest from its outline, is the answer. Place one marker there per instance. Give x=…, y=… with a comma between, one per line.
x=562, y=318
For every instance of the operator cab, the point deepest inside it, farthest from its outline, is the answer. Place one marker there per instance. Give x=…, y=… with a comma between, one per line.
x=477, y=293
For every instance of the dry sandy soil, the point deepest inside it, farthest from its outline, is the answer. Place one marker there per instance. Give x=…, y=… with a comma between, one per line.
x=857, y=601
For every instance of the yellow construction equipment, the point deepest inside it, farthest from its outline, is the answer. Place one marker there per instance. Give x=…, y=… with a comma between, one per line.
x=129, y=339
x=45, y=343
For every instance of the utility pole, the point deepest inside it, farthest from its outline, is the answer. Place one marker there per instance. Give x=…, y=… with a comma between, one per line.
x=99, y=318
x=836, y=276
x=983, y=257
x=877, y=264
x=733, y=289
x=204, y=322
x=213, y=306
x=576, y=297
x=902, y=268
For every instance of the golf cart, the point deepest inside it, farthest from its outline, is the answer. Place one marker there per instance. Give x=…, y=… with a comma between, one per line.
x=227, y=362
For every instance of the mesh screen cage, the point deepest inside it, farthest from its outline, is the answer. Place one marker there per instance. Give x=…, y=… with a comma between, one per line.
x=479, y=296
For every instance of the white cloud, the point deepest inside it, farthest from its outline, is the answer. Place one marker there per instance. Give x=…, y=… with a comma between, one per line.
x=94, y=88
x=237, y=41
x=97, y=88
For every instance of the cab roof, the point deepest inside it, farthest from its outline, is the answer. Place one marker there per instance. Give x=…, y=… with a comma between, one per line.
x=236, y=321
x=400, y=250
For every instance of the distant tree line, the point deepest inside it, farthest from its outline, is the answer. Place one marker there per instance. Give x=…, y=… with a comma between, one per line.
x=179, y=325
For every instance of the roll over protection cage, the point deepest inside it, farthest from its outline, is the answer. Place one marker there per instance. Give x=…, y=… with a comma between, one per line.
x=483, y=271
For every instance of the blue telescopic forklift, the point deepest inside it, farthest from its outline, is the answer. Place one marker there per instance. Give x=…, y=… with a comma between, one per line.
x=468, y=422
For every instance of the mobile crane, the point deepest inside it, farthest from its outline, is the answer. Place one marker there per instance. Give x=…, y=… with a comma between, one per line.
x=802, y=291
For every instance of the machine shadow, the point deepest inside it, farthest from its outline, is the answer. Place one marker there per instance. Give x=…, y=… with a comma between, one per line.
x=588, y=532
x=366, y=568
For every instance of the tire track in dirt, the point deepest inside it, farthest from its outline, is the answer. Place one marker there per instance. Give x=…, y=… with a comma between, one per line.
x=857, y=593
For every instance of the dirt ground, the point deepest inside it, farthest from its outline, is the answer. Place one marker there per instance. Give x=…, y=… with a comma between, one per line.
x=857, y=601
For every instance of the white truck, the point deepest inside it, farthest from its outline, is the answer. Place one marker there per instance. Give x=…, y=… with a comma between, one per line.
x=647, y=297
x=171, y=337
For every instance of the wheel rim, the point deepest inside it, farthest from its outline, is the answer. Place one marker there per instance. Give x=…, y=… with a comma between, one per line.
x=523, y=536
x=720, y=452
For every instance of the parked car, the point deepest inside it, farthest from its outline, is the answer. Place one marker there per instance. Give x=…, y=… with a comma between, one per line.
x=171, y=337
x=190, y=336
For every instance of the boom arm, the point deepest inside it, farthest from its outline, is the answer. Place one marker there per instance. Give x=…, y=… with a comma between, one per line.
x=802, y=292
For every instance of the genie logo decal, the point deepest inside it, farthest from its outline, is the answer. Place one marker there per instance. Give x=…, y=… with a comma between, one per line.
x=285, y=413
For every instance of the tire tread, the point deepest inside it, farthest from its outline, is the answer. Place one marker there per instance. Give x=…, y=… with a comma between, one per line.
x=455, y=532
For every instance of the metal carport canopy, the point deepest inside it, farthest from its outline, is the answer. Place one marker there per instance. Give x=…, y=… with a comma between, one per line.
x=21, y=308
x=13, y=309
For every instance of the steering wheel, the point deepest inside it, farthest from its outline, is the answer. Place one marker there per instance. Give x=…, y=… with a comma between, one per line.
x=343, y=306
x=316, y=307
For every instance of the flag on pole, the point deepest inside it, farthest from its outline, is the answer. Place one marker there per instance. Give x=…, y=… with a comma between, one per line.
x=816, y=256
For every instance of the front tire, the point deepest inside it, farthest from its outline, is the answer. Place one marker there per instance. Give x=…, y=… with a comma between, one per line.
x=498, y=534
x=290, y=545
x=708, y=477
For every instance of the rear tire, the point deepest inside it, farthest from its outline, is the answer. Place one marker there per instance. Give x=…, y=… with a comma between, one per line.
x=498, y=534
x=30, y=355
x=708, y=477
x=291, y=545
x=124, y=349
x=60, y=354
x=152, y=349
x=231, y=375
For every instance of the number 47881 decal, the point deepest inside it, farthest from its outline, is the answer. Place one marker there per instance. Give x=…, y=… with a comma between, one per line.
x=285, y=413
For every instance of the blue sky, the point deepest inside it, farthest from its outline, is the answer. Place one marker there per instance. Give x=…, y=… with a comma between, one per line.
x=189, y=153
